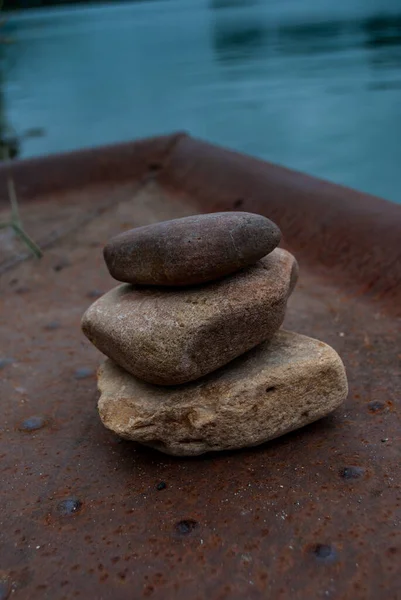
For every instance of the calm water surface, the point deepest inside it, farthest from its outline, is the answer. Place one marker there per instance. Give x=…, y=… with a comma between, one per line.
x=315, y=87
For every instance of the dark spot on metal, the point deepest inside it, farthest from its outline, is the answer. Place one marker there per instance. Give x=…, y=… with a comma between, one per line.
x=155, y=166
x=94, y=294
x=351, y=472
x=376, y=407
x=270, y=389
x=52, y=325
x=186, y=526
x=83, y=373
x=4, y=362
x=324, y=552
x=238, y=203
x=61, y=264
x=148, y=590
x=161, y=486
x=22, y=289
x=69, y=506
x=32, y=424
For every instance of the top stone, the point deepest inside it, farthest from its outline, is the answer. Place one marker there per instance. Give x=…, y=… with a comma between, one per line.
x=190, y=250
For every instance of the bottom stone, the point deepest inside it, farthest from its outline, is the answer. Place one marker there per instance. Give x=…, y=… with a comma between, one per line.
x=273, y=389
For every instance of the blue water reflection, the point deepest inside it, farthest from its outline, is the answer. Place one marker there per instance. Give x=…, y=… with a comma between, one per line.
x=315, y=87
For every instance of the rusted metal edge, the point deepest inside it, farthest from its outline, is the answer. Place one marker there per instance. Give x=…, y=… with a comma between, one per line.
x=36, y=178
x=347, y=236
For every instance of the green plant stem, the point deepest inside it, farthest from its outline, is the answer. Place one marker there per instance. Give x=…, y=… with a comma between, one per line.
x=34, y=248
x=15, y=218
x=15, y=222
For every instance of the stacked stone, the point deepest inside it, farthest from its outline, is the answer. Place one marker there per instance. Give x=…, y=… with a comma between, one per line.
x=196, y=359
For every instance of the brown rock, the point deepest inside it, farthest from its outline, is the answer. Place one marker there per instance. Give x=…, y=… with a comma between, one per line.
x=190, y=250
x=275, y=388
x=174, y=336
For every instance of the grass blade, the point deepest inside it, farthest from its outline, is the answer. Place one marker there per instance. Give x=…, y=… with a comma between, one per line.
x=34, y=248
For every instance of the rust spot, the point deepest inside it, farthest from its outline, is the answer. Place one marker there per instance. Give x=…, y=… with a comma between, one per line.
x=148, y=590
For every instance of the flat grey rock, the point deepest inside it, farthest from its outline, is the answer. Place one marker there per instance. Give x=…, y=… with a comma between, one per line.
x=173, y=336
x=190, y=250
x=275, y=388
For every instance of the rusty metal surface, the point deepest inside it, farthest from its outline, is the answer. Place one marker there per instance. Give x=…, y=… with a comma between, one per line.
x=315, y=514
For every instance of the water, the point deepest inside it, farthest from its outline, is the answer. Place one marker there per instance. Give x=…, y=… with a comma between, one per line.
x=315, y=86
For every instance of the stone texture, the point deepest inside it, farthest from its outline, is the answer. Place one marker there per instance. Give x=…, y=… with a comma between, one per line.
x=174, y=336
x=190, y=250
x=273, y=389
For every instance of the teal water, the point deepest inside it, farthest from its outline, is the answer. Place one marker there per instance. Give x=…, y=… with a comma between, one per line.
x=312, y=85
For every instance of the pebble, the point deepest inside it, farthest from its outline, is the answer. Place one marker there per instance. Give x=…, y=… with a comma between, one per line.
x=190, y=250
x=179, y=336
x=277, y=387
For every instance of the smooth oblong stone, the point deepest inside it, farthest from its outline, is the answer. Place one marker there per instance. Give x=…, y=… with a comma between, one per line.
x=275, y=388
x=190, y=250
x=174, y=336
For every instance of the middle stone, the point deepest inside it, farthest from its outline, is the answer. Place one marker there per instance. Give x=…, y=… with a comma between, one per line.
x=168, y=336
